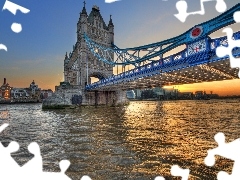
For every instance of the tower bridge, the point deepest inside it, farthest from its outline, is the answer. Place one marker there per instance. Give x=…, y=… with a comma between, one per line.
x=197, y=63
x=95, y=55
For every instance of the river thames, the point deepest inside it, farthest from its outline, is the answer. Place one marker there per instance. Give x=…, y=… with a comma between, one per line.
x=139, y=141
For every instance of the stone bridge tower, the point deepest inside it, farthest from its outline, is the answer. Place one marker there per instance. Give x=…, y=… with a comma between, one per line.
x=80, y=64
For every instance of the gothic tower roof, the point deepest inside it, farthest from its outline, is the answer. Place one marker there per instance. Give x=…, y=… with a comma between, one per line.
x=110, y=21
x=84, y=11
x=96, y=13
x=66, y=56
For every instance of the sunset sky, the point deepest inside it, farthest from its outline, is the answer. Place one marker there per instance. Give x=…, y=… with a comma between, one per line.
x=49, y=31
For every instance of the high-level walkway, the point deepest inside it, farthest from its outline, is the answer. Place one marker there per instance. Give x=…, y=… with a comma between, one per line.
x=197, y=63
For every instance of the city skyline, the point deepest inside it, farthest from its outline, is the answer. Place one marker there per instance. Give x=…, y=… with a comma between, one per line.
x=38, y=51
x=5, y=82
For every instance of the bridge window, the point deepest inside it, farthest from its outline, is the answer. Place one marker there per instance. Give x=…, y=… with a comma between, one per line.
x=94, y=79
x=93, y=30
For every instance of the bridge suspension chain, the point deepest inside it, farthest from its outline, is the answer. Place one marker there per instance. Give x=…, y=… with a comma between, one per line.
x=137, y=55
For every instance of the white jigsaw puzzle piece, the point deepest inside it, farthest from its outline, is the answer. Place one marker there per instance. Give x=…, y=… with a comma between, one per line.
x=64, y=164
x=176, y=171
x=85, y=177
x=182, y=9
x=223, y=51
x=3, y=126
x=9, y=168
x=227, y=150
x=159, y=178
x=236, y=17
x=33, y=168
x=16, y=27
x=8, y=165
x=111, y=1
x=3, y=47
x=12, y=7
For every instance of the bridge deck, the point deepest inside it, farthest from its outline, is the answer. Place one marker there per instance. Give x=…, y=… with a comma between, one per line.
x=207, y=72
x=176, y=69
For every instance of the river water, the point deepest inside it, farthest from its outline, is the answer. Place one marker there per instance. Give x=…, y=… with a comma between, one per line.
x=139, y=141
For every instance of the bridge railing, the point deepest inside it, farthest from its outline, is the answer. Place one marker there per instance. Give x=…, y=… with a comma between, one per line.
x=173, y=62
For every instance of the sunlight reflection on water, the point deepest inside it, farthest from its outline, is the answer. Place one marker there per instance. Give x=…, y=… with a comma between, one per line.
x=138, y=141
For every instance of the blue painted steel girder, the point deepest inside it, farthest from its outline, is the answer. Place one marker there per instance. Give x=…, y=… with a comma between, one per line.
x=127, y=58
x=169, y=64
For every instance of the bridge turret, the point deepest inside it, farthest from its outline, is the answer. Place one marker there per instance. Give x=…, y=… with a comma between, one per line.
x=66, y=61
x=84, y=11
x=66, y=56
x=111, y=30
x=82, y=22
x=80, y=65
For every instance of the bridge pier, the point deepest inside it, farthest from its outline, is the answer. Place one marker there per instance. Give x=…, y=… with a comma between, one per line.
x=106, y=95
x=96, y=98
x=108, y=98
x=64, y=97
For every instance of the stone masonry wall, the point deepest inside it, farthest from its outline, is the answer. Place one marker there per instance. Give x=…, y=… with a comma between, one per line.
x=63, y=97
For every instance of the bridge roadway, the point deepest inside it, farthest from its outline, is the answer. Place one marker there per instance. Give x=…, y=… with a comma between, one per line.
x=177, y=69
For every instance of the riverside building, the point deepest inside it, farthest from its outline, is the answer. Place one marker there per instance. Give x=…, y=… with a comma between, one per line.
x=5, y=90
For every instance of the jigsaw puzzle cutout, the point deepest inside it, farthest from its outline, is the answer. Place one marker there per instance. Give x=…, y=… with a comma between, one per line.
x=177, y=171
x=182, y=9
x=3, y=126
x=228, y=150
x=13, y=8
x=111, y=1
x=223, y=51
x=33, y=168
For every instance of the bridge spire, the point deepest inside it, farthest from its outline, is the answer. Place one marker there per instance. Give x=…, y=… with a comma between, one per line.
x=84, y=11
x=66, y=56
x=110, y=21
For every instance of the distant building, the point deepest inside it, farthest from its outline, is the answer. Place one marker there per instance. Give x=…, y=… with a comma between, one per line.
x=137, y=93
x=31, y=94
x=33, y=87
x=5, y=90
x=204, y=95
x=170, y=93
x=34, y=91
x=159, y=91
x=46, y=93
x=19, y=94
x=131, y=94
x=185, y=95
x=201, y=95
x=213, y=96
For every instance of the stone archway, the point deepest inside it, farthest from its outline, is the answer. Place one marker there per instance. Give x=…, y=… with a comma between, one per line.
x=98, y=75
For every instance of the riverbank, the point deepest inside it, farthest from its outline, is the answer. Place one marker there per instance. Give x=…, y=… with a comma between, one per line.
x=18, y=102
